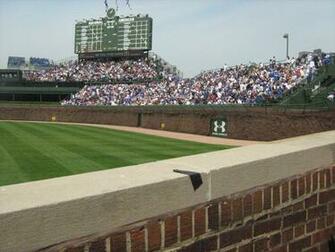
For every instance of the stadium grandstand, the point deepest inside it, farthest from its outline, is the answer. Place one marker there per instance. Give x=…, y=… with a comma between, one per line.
x=98, y=71
x=166, y=66
x=152, y=81
x=241, y=84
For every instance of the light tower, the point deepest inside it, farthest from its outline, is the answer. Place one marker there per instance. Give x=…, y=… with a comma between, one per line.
x=285, y=36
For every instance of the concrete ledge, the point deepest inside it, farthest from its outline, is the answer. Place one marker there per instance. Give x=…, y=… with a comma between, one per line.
x=47, y=212
x=38, y=214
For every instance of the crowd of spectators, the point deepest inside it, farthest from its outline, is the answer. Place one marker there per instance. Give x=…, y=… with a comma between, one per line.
x=242, y=84
x=97, y=71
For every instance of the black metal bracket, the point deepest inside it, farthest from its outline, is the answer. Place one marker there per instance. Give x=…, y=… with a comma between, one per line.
x=195, y=177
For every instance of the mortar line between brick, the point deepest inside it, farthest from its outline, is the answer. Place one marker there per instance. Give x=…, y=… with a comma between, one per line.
x=178, y=229
x=162, y=234
x=206, y=219
x=128, y=242
x=87, y=248
x=146, y=241
x=108, y=244
x=219, y=213
x=193, y=223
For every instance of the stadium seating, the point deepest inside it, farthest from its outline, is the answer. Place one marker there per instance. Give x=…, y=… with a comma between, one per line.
x=242, y=84
x=98, y=71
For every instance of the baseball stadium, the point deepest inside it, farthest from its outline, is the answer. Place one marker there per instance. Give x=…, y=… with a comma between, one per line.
x=115, y=149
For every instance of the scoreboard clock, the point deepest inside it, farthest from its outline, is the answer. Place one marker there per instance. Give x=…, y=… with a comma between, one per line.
x=113, y=34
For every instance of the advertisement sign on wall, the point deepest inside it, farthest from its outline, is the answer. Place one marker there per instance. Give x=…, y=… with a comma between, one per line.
x=218, y=127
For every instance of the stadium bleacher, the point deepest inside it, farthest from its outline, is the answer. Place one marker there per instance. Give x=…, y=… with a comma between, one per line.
x=98, y=71
x=242, y=84
x=144, y=81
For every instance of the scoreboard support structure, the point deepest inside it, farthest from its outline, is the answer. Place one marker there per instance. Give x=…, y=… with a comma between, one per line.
x=114, y=55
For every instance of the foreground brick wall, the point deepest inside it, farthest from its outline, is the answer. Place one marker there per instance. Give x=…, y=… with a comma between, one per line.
x=293, y=214
x=243, y=123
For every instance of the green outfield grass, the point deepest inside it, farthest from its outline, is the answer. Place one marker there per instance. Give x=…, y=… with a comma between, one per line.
x=34, y=151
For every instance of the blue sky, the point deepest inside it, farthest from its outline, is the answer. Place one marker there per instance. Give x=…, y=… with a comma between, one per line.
x=195, y=35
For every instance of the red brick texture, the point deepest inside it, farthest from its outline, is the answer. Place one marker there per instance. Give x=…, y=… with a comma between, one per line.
x=170, y=231
x=254, y=123
x=137, y=237
x=118, y=242
x=185, y=225
x=154, y=236
x=295, y=214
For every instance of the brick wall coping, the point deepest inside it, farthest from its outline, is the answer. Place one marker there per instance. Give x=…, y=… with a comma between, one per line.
x=38, y=214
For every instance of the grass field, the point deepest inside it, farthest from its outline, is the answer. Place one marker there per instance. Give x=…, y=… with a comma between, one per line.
x=34, y=151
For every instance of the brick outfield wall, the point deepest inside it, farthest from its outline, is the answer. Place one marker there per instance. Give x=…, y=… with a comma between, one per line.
x=294, y=214
x=243, y=123
x=251, y=124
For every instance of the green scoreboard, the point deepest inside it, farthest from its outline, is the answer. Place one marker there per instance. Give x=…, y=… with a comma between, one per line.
x=114, y=35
